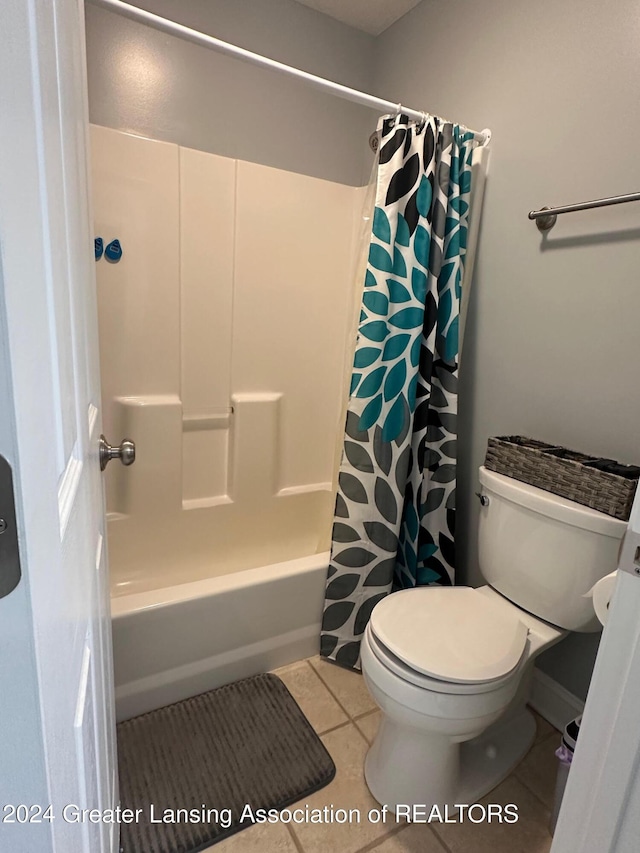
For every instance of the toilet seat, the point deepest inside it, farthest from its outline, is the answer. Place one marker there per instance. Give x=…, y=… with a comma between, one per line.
x=436, y=685
x=447, y=639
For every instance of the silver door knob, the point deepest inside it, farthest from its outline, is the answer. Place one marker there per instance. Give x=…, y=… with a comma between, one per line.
x=125, y=452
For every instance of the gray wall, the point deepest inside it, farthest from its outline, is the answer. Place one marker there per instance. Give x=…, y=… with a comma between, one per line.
x=552, y=347
x=159, y=86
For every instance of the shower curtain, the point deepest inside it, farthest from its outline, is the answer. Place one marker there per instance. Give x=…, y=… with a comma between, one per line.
x=395, y=508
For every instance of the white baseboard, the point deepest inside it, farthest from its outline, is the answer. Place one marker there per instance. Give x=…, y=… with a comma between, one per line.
x=553, y=701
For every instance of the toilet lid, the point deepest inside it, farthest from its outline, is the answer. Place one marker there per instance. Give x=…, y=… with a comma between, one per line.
x=450, y=633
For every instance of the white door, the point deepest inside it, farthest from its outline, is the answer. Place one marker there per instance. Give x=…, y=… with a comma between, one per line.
x=57, y=743
x=601, y=807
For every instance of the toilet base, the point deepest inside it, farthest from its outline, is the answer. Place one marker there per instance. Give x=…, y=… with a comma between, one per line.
x=404, y=767
x=488, y=759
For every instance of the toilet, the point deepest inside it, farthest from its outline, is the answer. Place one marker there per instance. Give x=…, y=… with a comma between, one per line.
x=450, y=667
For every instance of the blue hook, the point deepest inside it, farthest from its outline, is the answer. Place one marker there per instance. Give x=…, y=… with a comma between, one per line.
x=113, y=252
x=98, y=247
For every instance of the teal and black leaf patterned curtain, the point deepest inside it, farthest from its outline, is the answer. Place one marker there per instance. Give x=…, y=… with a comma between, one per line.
x=395, y=508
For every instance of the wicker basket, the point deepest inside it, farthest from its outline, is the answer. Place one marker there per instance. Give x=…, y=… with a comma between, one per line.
x=601, y=484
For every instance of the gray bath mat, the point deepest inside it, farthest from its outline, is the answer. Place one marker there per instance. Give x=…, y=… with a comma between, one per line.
x=246, y=744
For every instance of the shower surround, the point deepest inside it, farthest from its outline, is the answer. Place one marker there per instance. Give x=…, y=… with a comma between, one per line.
x=226, y=332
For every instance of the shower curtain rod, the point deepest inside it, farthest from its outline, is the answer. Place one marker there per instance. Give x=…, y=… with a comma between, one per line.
x=345, y=92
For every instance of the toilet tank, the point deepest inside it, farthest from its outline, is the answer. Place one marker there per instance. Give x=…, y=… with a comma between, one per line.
x=544, y=552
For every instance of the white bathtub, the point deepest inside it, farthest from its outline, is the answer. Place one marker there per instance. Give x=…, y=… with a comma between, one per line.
x=176, y=642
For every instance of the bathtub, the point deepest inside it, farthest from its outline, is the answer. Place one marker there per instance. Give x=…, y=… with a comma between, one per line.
x=176, y=642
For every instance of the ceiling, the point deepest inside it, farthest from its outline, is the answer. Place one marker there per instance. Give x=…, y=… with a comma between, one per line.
x=371, y=16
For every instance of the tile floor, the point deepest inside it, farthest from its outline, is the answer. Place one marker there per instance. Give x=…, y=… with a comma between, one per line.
x=340, y=709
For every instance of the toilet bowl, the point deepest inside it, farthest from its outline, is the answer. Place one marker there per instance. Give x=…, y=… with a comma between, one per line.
x=450, y=667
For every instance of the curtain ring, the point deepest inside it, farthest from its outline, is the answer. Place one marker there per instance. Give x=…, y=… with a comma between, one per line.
x=398, y=110
x=423, y=121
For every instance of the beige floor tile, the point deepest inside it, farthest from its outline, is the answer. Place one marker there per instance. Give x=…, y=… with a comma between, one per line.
x=347, y=791
x=261, y=838
x=416, y=838
x=368, y=725
x=539, y=769
x=318, y=705
x=528, y=835
x=346, y=685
